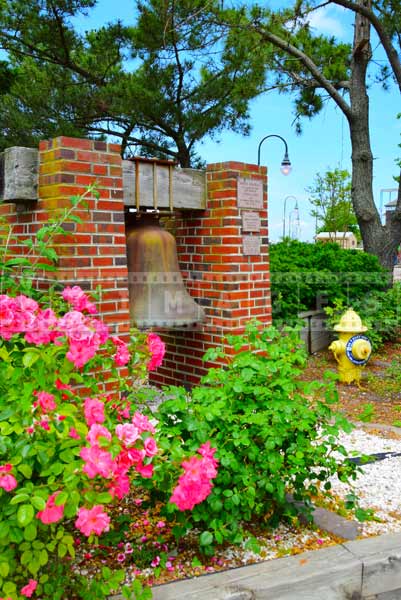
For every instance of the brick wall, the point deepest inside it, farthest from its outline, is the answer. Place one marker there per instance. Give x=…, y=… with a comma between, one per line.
x=94, y=252
x=232, y=288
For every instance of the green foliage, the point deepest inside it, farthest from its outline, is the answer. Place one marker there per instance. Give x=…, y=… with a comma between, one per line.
x=380, y=311
x=368, y=412
x=274, y=434
x=307, y=276
x=46, y=459
x=160, y=84
x=330, y=195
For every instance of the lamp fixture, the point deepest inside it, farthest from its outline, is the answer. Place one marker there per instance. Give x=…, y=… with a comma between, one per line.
x=286, y=166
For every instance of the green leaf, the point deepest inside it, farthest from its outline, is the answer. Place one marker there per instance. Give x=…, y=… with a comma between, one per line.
x=13, y=262
x=9, y=588
x=206, y=538
x=18, y=498
x=30, y=532
x=61, y=498
x=4, y=569
x=75, y=219
x=26, y=470
x=45, y=267
x=6, y=414
x=25, y=514
x=30, y=358
x=4, y=355
x=38, y=502
x=4, y=530
x=104, y=498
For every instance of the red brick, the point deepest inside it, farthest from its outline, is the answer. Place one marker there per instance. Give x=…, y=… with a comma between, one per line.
x=43, y=145
x=115, y=148
x=70, y=142
x=99, y=169
x=103, y=261
x=109, y=205
x=115, y=171
x=85, y=179
x=111, y=159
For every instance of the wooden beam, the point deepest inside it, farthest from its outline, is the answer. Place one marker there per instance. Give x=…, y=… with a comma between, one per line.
x=186, y=187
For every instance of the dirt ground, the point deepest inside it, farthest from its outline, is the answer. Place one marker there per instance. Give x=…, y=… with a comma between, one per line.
x=379, y=398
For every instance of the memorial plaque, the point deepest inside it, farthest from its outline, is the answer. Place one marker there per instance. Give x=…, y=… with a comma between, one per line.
x=251, y=221
x=251, y=245
x=249, y=193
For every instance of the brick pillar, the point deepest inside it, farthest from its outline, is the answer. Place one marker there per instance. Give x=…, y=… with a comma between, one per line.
x=95, y=252
x=232, y=287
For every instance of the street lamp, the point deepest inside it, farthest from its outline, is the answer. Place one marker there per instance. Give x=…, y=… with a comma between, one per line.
x=285, y=205
x=294, y=223
x=285, y=163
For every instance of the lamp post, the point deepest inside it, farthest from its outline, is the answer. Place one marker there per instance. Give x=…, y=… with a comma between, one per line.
x=294, y=223
x=285, y=205
x=285, y=163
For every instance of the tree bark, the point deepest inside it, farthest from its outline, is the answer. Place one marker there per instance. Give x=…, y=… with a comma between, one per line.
x=377, y=239
x=183, y=154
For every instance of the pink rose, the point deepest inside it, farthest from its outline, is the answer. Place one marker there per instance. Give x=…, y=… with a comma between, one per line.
x=120, y=487
x=195, y=485
x=8, y=482
x=93, y=520
x=150, y=446
x=122, y=355
x=80, y=353
x=94, y=411
x=45, y=401
x=78, y=299
x=42, y=330
x=145, y=470
x=51, y=513
x=74, y=433
x=127, y=433
x=142, y=422
x=97, y=462
x=28, y=589
x=157, y=350
x=97, y=431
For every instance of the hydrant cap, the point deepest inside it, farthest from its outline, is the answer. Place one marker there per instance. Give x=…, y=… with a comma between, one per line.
x=350, y=322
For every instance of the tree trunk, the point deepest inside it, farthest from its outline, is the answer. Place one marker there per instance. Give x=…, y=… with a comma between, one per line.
x=183, y=154
x=377, y=239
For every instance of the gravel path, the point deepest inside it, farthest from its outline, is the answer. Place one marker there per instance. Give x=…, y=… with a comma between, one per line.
x=379, y=486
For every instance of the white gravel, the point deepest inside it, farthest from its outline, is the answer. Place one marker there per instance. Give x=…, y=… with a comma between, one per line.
x=379, y=486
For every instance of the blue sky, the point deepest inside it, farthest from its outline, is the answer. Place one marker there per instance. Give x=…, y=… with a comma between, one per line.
x=324, y=142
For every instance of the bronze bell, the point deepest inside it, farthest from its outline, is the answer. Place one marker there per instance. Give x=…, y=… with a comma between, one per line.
x=158, y=297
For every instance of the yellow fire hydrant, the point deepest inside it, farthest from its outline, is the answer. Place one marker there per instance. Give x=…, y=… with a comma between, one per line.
x=353, y=349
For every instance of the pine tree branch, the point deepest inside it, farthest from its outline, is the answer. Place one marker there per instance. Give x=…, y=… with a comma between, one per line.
x=391, y=52
x=308, y=64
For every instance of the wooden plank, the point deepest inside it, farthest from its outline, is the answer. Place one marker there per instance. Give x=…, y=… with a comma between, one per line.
x=315, y=333
x=188, y=186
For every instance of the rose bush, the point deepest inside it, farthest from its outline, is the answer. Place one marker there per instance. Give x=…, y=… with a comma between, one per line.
x=275, y=434
x=70, y=443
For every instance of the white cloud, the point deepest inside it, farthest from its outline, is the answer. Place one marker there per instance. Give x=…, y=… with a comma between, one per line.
x=327, y=20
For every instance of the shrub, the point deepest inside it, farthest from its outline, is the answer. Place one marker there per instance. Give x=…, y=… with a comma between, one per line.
x=272, y=433
x=66, y=452
x=60, y=456
x=307, y=276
